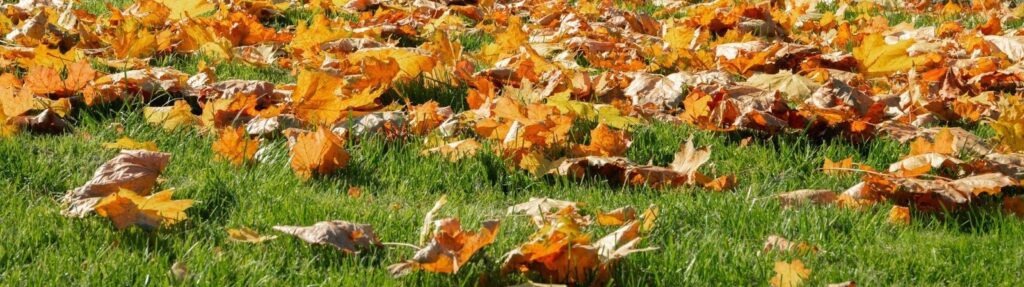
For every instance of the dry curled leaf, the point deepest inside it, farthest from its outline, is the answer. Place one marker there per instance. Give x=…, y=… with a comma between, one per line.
x=133, y=170
x=342, y=235
x=449, y=248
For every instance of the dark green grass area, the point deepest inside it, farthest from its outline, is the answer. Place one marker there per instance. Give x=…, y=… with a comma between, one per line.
x=704, y=237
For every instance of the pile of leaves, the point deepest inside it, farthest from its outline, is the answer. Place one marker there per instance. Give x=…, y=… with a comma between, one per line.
x=550, y=72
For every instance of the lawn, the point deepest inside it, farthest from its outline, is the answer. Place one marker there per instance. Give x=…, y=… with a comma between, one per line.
x=702, y=237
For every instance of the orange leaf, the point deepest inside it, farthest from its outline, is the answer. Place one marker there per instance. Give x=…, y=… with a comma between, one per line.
x=899, y=215
x=319, y=152
x=235, y=146
x=604, y=142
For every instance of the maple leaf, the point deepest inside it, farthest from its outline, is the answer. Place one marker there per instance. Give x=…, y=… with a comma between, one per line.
x=126, y=208
x=832, y=168
x=795, y=87
x=449, y=249
x=789, y=274
x=411, y=61
x=316, y=100
x=319, y=152
x=539, y=208
x=876, y=58
x=1009, y=127
x=16, y=103
x=604, y=142
x=941, y=144
x=342, y=235
x=235, y=146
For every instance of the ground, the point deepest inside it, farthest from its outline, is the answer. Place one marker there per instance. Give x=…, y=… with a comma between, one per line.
x=704, y=238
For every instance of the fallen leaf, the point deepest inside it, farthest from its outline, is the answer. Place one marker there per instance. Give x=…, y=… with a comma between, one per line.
x=899, y=215
x=450, y=248
x=133, y=170
x=320, y=152
x=126, y=208
x=342, y=235
x=617, y=217
x=789, y=274
x=235, y=146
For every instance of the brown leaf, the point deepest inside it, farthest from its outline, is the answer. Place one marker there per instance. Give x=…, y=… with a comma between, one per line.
x=342, y=235
x=134, y=170
x=779, y=243
x=540, y=208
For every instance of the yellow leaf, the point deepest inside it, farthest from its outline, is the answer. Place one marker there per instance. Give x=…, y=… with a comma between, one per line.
x=876, y=58
x=1009, y=127
x=187, y=8
x=126, y=208
x=171, y=118
x=791, y=274
x=128, y=143
x=316, y=98
x=411, y=61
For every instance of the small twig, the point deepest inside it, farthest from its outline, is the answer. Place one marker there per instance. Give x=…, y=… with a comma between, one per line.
x=402, y=244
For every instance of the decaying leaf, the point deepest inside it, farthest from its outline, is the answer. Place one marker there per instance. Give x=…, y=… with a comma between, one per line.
x=449, y=248
x=132, y=170
x=342, y=235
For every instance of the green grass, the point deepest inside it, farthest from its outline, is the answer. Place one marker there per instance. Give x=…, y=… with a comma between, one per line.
x=705, y=238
